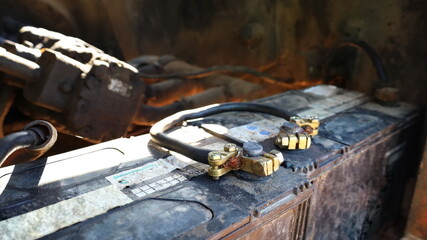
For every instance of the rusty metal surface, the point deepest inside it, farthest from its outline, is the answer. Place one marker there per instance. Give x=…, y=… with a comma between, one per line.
x=416, y=227
x=282, y=223
x=286, y=38
x=82, y=89
x=348, y=197
x=303, y=26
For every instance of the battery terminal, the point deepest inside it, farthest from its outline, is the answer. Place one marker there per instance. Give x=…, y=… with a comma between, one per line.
x=297, y=133
x=233, y=158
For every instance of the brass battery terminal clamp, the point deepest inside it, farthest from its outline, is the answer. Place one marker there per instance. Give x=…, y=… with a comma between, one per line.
x=297, y=133
x=248, y=157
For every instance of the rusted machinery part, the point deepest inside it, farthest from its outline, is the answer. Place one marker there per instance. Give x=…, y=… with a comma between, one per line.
x=148, y=115
x=18, y=66
x=233, y=88
x=150, y=66
x=237, y=87
x=34, y=140
x=215, y=89
x=7, y=95
x=170, y=90
x=21, y=50
x=212, y=71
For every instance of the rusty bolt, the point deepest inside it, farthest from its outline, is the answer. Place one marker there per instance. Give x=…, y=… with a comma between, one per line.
x=308, y=129
x=388, y=95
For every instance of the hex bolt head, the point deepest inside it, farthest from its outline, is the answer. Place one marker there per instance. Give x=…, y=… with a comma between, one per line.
x=214, y=156
x=230, y=147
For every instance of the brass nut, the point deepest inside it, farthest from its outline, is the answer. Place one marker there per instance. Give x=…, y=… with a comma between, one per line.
x=263, y=167
x=314, y=119
x=214, y=156
x=293, y=141
x=230, y=147
x=279, y=156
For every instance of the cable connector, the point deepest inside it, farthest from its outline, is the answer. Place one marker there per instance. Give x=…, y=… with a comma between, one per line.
x=232, y=158
x=297, y=133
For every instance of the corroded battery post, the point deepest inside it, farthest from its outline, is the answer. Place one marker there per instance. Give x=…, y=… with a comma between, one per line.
x=251, y=159
x=310, y=125
x=296, y=134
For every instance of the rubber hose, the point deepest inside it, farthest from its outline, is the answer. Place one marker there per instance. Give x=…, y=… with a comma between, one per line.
x=36, y=138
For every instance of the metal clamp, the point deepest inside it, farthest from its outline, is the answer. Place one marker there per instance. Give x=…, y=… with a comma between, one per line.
x=232, y=158
x=297, y=133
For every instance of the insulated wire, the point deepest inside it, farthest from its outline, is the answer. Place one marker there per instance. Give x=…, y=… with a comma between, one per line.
x=373, y=55
x=199, y=154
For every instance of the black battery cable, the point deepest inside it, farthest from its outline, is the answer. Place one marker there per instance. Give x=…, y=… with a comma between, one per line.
x=370, y=51
x=36, y=138
x=158, y=130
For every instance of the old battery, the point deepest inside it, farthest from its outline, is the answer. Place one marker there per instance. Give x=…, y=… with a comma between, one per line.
x=349, y=182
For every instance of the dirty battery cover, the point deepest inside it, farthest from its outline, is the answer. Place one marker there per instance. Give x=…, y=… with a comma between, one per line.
x=131, y=188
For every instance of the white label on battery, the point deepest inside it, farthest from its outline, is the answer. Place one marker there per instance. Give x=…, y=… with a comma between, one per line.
x=257, y=131
x=47, y=220
x=316, y=112
x=140, y=174
x=330, y=106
